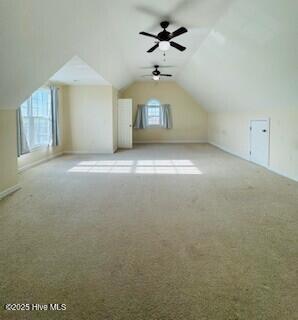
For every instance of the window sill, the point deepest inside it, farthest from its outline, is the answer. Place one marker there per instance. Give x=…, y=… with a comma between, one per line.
x=151, y=127
x=39, y=148
x=36, y=149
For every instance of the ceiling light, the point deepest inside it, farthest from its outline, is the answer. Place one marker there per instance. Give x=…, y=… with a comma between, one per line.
x=164, y=45
x=155, y=78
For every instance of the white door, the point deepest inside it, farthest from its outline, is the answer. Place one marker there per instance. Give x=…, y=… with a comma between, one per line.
x=259, y=142
x=125, y=123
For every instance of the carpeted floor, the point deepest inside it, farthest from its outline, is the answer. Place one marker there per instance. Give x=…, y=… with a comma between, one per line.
x=159, y=232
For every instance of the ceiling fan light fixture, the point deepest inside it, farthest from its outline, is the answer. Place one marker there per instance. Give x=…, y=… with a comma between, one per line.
x=155, y=78
x=164, y=45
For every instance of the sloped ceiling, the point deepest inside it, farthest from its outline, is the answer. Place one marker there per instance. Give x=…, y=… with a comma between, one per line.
x=249, y=60
x=240, y=54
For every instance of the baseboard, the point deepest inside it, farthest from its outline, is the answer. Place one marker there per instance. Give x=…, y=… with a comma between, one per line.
x=170, y=141
x=229, y=151
x=36, y=163
x=247, y=159
x=10, y=190
x=86, y=152
x=283, y=174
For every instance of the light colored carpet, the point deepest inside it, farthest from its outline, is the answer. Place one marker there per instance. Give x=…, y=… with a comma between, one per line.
x=159, y=232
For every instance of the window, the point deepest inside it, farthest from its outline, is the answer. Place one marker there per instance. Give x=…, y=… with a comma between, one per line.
x=36, y=113
x=153, y=113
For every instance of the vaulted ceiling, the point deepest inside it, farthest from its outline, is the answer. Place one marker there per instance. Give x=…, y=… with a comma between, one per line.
x=240, y=54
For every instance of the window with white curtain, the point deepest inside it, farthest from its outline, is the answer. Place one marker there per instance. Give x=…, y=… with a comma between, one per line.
x=36, y=113
x=153, y=113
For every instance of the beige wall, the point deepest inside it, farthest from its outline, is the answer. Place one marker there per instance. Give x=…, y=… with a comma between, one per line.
x=8, y=150
x=46, y=153
x=72, y=102
x=189, y=119
x=88, y=119
x=230, y=131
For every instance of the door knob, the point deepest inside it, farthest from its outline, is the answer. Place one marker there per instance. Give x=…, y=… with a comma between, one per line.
x=264, y=130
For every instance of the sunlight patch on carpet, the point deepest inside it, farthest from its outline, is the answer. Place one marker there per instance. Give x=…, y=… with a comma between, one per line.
x=181, y=167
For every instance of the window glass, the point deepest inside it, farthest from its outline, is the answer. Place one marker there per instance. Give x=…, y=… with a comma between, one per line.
x=153, y=112
x=36, y=116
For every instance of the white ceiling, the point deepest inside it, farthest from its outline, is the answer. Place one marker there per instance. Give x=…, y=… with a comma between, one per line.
x=253, y=63
x=78, y=72
x=240, y=54
x=198, y=16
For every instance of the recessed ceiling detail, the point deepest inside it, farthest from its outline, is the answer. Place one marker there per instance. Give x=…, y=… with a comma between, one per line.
x=78, y=72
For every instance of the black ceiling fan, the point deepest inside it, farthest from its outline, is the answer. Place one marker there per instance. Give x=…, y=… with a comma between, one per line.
x=156, y=74
x=164, y=38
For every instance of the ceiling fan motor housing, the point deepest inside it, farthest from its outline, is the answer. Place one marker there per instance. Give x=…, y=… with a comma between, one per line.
x=164, y=35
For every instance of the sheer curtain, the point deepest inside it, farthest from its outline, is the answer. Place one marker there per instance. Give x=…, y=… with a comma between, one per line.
x=22, y=142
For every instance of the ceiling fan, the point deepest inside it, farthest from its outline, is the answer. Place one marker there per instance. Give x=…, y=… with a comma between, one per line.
x=156, y=74
x=164, y=38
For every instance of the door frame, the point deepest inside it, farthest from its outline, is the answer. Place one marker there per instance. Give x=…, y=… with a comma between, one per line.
x=269, y=139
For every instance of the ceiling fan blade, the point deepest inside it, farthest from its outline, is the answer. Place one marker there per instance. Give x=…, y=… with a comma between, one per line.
x=178, y=32
x=153, y=48
x=153, y=13
x=167, y=66
x=148, y=34
x=182, y=5
x=166, y=75
x=149, y=11
x=177, y=46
